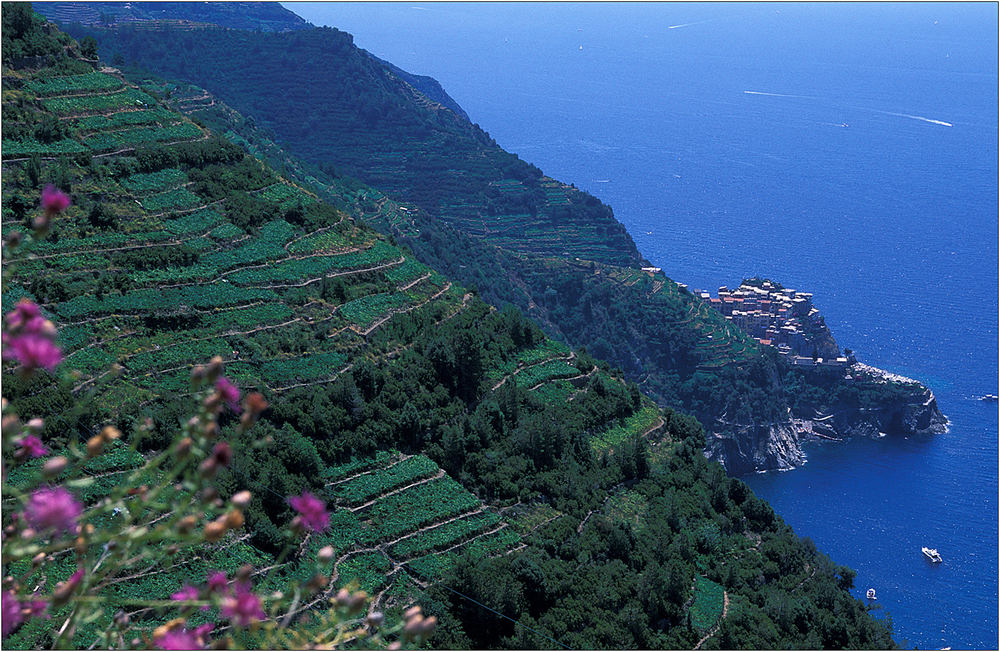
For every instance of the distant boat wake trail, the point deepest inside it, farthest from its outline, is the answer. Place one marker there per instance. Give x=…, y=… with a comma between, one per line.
x=863, y=108
x=698, y=22
x=916, y=117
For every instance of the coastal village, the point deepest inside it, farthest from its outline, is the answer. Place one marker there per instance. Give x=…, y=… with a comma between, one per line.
x=780, y=317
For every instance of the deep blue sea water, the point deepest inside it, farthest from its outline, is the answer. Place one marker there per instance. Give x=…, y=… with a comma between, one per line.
x=835, y=175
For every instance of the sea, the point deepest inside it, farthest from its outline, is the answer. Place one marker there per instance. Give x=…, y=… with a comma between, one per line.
x=848, y=150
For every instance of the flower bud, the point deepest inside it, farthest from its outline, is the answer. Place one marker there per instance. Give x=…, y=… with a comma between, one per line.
x=395, y=645
x=375, y=618
x=28, y=533
x=357, y=601
x=36, y=426
x=214, y=369
x=234, y=519
x=208, y=469
x=173, y=549
x=54, y=466
x=41, y=225
x=10, y=425
x=325, y=553
x=80, y=546
x=244, y=573
x=318, y=581
x=342, y=597
x=187, y=524
x=14, y=239
x=197, y=376
x=429, y=624
x=413, y=627
x=110, y=433
x=38, y=559
x=122, y=620
x=183, y=448
x=241, y=499
x=209, y=495
x=412, y=612
x=94, y=446
x=214, y=531
x=167, y=627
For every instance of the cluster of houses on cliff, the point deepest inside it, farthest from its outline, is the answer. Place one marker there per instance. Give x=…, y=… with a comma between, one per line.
x=778, y=317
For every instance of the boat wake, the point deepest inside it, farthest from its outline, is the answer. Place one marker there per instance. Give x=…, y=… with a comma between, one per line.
x=698, y=22
x=917, y=117
x=804, y=97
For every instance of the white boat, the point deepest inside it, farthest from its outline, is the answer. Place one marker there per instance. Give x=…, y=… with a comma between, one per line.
x=932, y=554
x=871, y=594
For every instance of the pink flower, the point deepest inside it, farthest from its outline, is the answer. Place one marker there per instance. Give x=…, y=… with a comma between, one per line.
x=11, y=612
x=313, y=511
x=36, y=609
x=32, y=351
x=53, y=509
x=217, y=582
x=242, y=607
x=32, y=446
x=187, y=593
x=229, y=393
x=54, y=200
x=24, y=312
x=222, y=454
x=180, y=638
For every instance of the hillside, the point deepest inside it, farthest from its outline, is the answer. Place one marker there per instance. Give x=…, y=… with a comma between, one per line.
x=461, y=449
x=265, y=16
x=562, y=262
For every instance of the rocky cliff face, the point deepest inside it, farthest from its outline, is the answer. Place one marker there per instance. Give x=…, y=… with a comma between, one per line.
x=910, y=409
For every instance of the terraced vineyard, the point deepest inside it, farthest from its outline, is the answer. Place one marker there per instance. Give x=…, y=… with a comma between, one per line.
x=403, y=514
x=177, y=249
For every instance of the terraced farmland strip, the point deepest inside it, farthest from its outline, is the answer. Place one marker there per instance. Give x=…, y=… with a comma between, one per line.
x=156, y=115
x=433, y=566
x=242, y=319
x=131, y=137
x=285, y=195
x=304, y=367
x=365, y=311
x=149, y=182
x=205, y=296
x=444, y=535
x=631, y=427
x=312, y=267
x=276, y=232
x=250, y=253
x=707, y=607
x=540, y=373
x=91, y=81
x=196, y=222
x=365, y=487
x=324, y=241
x=190, y=352
x=355, y=465
x=418, y=506
x=368, y=569
x=93, y=103
x=177, y=199
x=27, y=147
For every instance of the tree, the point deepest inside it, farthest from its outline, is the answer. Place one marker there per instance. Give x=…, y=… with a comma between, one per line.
x=88, y=47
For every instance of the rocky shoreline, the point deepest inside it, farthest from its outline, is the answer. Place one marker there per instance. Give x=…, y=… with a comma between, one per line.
x=778, y=445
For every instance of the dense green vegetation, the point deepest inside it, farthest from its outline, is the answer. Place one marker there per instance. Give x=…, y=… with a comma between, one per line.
x=520, y=238
x=459, y=446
